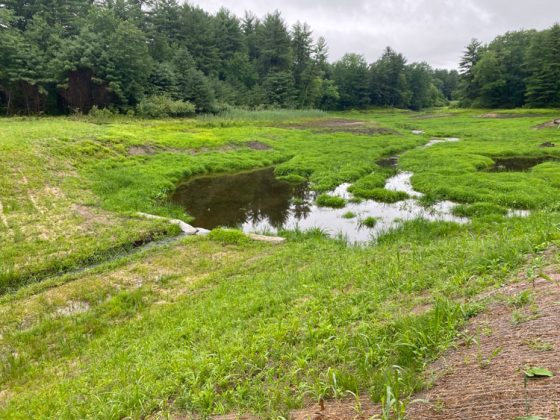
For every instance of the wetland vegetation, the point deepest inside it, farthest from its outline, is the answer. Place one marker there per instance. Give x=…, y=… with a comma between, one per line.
x=220, y=324
x=349, y=219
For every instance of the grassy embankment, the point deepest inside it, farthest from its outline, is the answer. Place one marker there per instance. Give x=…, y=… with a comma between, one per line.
x=218, y=325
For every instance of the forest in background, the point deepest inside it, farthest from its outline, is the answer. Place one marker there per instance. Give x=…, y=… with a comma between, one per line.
x=65, y=56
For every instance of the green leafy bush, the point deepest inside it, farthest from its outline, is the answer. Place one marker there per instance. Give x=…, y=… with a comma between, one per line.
x=100, y=115
x=164, y=107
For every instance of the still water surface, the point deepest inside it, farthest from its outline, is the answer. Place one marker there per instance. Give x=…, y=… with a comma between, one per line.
x=258, y=202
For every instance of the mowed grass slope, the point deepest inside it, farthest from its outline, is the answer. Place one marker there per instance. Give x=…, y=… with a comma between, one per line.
x=223, y=325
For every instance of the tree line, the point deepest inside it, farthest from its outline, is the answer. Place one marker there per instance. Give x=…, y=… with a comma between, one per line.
x=61, y=56
x=517, y=69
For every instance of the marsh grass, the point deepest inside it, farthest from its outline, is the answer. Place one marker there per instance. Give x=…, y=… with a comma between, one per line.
x=369, y=222
x=479, y=210
x=326, y=200
x=222, y=325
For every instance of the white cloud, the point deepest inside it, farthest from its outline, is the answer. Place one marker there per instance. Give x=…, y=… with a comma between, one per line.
x=435, y=31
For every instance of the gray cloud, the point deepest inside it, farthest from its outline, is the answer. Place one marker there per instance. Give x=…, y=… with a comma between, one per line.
x=435, y=31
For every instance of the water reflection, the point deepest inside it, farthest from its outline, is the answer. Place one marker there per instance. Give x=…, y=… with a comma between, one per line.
x=249, y=197
x=258, y=202
x=519, y=164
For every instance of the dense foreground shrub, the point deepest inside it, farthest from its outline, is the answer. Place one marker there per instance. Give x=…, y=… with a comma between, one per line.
x=163, y=107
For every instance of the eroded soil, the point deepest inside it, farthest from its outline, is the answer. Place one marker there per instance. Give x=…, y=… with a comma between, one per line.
x=343, y=126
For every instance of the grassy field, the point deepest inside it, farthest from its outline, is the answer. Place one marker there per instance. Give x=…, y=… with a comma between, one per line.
x=219, y=324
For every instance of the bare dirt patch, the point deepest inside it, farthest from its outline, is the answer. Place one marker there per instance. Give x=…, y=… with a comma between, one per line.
x=145, y=150
x=148, y=150
x=499, y=115
x=355, y=409
x=73, y=308
x=91, y=217
x=339, y=125
x=483, y=377
x=550, y=124
x=257, y=145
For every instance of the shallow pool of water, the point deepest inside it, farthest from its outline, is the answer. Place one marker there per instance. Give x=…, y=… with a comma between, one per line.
x=258, y=202
x=519, y=164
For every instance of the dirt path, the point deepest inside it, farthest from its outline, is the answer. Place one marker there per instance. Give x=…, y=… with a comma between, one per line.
x=483, y=377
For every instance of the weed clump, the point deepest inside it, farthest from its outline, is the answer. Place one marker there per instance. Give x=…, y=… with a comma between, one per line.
x=479, y=210
x=326, y=200
x=349, y=215
x=228, y=236
x=369, y=222
x=381, y=195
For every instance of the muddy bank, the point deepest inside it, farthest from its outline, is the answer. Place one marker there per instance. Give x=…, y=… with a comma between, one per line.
x=340, y=125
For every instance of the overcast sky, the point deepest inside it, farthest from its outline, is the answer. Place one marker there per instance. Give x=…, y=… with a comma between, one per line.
x=435, y=31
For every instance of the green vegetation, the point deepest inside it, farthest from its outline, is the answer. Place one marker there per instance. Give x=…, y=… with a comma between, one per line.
x=349, y=215
x=228, y=236
x=369, y=222
x=171, y=58
x=515, y=69
x=479, y=210
x=221, y=324
x=326, y=200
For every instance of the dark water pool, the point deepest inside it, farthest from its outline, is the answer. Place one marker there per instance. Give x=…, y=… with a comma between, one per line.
x=519, y=164
x=258, y=202
x=236, y=199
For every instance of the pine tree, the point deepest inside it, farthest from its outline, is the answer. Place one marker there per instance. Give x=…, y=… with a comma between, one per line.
x=543, y=62
x=471, y=56
x=274, y=45
x=388, y=84
x=302, y=46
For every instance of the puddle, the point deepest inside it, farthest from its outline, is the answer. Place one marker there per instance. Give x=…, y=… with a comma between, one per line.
x=389, y=162
x=433, y=142
x=402, y=182
x=258, y=202
x=518, y=164
x=248, y=197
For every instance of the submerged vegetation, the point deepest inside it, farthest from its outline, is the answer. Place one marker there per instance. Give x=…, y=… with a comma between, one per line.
x=220, y=324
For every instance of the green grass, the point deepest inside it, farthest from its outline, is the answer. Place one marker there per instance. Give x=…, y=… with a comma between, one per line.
x=369, y=222
x=479, y=210
x=228, y=236
x=220, y=324
x=349, y=215
x=88, y=179
x=326, y=200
